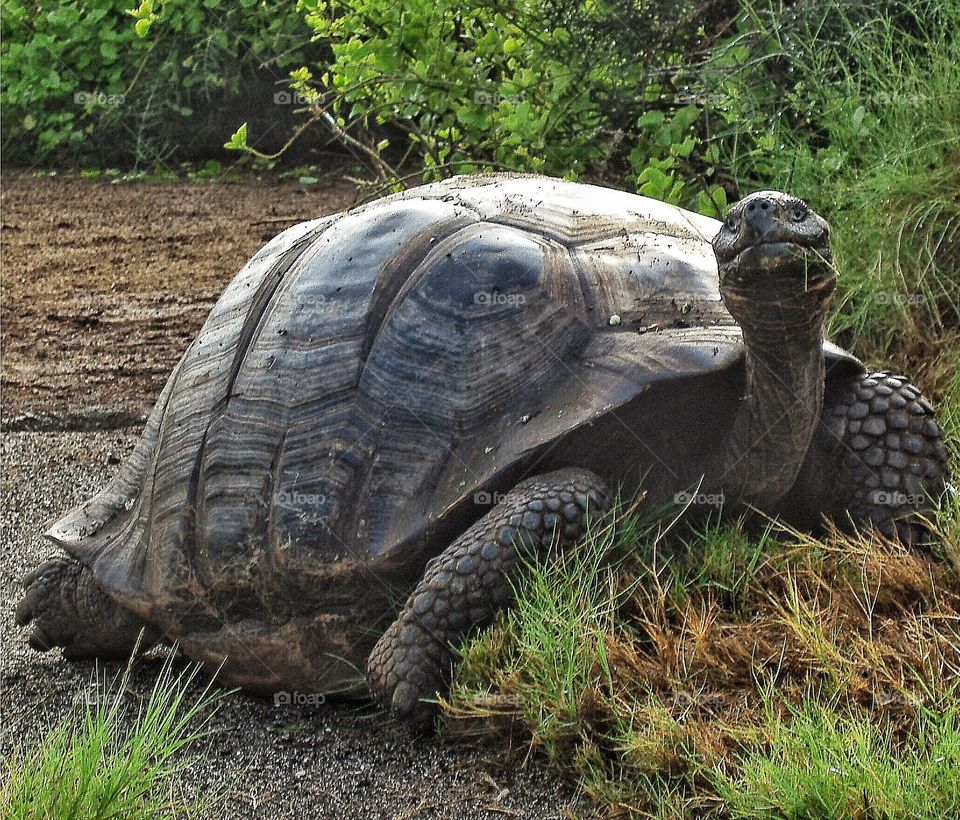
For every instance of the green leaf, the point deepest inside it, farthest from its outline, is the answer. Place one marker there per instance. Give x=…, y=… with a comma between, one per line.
x=858, y=116
x=238, y=140
x=651, y=119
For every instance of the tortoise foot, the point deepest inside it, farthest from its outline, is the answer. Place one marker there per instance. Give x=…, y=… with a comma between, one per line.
x=68, y=609
x=464, y=587
x=882, y=452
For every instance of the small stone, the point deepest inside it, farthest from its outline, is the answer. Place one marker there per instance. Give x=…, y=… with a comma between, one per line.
x=506, y=535
x=898, y=420
x=525, y=540
x=874, y=457
x=912, y=443
x=531, y=520
x=897, y=459
x=875, y=426
x=889, y=479
x=859, y=410
x=422, y=603
x=879, y=405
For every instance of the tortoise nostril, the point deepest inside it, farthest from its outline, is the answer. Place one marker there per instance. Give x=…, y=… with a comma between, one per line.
x=759, y=216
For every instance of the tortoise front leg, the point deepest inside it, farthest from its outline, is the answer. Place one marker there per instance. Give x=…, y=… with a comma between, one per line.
x=877, y=458
x=466, y=584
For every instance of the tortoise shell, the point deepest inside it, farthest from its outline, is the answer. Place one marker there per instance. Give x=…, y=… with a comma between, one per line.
x=369, y=376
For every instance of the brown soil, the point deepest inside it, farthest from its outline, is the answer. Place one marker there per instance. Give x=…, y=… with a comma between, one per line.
x=105, y=285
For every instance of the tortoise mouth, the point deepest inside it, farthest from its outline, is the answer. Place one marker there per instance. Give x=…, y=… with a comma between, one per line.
x=814, y=262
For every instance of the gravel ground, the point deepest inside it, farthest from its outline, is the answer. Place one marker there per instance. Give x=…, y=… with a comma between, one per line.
x=336, y=760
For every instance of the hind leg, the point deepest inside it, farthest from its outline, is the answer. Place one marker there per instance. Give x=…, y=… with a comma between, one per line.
x=877, y=458
x=67, y=608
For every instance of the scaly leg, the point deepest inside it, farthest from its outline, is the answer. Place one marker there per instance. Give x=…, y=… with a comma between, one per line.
x=466, y=584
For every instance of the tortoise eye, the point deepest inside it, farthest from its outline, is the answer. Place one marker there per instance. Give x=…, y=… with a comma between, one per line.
x=799, y=213
x=732, y=223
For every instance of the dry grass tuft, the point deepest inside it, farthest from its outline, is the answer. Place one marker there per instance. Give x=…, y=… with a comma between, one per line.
x=695, y=677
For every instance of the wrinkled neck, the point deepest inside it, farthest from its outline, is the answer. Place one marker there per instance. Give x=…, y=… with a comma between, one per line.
x=782, y=399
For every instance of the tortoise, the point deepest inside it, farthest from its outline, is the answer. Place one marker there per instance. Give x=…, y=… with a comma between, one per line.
x=424, y=390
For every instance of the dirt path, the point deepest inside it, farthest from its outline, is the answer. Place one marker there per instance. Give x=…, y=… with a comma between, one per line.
x=103, y=288
x=105, y=285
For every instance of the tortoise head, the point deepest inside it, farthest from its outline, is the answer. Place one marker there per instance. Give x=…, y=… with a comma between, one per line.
x=772, y=249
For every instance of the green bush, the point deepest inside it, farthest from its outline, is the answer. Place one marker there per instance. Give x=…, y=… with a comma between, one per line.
x=81, y=85
x=856, y=108
x=561, y=88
